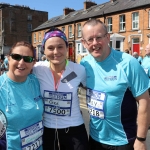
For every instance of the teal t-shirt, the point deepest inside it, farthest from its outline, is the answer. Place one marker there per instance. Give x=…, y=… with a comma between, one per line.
x=21, y=110
x=112, y=86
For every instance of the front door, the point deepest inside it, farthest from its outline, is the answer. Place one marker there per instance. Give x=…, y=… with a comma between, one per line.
x=136, y=46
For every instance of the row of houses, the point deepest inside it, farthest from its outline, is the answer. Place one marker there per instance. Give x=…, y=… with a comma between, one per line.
x=128, y=24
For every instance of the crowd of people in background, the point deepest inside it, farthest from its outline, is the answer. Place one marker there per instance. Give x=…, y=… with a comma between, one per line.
x=39, y=103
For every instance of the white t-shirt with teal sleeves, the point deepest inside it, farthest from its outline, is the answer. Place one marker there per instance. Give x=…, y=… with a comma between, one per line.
x=61, y=105
x=112, y=86
x=21, y=111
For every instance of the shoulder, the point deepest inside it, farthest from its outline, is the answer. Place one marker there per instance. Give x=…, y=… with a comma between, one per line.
x=75, y=66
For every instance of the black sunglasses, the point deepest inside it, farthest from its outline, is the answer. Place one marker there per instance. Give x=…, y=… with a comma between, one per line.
x=18, y=57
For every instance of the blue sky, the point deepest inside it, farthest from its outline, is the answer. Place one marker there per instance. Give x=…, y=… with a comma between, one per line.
x=53, y=7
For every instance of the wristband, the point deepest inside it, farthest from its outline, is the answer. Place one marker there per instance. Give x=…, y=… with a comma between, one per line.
x=140, y=139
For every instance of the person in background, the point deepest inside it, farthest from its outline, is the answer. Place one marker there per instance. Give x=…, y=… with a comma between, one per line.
x=146, y=62
x=6, y=62
x=136, y=55
x=59, y=79
x=115, y=82
x=21, y=105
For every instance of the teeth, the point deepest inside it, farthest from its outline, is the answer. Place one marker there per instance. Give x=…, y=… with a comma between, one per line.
x=21, y=68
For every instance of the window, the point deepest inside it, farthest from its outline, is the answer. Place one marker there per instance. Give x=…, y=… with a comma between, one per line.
x=34, y=37
x=63, y=29
x=135, y=20
x=122, y=22
x=109, y=23
x=118, y=45
x=79, y=30
x=70, y=31
x=29, y=27
x=149, y=19
x=29, y=39
x=13, y=26
x=29, y=17
x=39, y=36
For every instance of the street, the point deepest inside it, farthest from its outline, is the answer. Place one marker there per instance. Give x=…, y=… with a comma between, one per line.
x=86, y=118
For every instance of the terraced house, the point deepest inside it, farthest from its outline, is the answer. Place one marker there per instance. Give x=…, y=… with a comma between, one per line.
x=16, y=24
x=128, y=24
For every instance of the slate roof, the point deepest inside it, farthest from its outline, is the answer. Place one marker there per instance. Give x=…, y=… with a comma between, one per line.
x=94, y=11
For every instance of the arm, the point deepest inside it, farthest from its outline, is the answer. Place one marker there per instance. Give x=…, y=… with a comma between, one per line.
x=143, y=120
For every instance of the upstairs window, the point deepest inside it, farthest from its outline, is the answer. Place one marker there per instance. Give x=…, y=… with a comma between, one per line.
x=34, y=37
x=122, y=23
x=149, y=19
x=70, y=31
x=109, y=24
x=29, y=17
x=79, y=30
x=63, y=29
x=135, y=20
x=40, y=37
x=29, y=27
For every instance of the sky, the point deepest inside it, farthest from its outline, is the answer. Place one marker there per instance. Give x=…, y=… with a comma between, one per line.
x=53, y=7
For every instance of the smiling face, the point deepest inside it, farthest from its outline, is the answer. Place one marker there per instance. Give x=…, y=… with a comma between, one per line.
x=56, y=50
x=19, y=70
x=98, y=48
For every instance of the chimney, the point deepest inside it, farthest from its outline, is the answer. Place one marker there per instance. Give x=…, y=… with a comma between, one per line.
x=88, y=4
x=67, y=10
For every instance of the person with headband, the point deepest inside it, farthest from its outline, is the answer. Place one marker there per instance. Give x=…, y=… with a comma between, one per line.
x=59, y=79
x=21, y=105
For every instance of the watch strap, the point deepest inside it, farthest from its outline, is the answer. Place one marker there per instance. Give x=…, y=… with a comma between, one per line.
x=140, y=138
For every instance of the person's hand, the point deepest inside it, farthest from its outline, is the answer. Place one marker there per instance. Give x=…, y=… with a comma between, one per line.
x=140, y=145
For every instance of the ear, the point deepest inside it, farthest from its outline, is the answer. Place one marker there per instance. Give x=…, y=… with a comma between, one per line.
x=83, y=42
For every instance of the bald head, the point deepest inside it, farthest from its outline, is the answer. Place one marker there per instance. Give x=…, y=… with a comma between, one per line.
x=147, y=50
x=135, y=54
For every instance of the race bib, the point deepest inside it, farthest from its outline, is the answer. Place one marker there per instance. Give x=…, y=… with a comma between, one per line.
x=95, y=102
x=31, y=137
x=58, y=103
x=3, y=124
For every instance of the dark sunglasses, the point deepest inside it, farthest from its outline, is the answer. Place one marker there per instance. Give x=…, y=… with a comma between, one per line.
x=18, y=57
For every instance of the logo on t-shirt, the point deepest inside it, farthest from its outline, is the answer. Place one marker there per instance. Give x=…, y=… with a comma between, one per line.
x=3, y=124
x=110, y=78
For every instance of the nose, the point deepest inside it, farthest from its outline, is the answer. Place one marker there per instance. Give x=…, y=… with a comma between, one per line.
x=55, y=51
x=94, y=41
x=21, y=60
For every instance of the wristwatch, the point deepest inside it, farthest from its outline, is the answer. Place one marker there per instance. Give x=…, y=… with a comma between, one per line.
x=140, y=138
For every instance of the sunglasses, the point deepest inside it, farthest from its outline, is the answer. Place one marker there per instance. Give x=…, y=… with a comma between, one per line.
x=53, y=29
x=18, y=57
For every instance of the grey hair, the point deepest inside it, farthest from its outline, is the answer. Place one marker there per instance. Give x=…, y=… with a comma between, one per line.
x=93, y=22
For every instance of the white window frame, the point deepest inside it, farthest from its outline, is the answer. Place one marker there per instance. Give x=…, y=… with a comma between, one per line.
x=34, y=37
x=109, y=24
x=70, y=31
x=79, y=29
x=135, y=20
x=40, y=37
x=63, y=29
x=149, y=19
x=29, y=27
x=122, y=25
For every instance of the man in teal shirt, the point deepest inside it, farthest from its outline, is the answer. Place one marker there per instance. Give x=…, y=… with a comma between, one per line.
x=146, y=62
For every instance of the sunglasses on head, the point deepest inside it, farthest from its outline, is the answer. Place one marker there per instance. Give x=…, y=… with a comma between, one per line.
x=18, y=57
x=53, y=29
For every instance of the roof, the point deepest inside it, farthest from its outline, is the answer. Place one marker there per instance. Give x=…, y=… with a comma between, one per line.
x=94, y=11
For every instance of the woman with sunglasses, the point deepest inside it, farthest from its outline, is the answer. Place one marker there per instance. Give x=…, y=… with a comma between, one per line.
x=59, y=79
x=21, y=106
